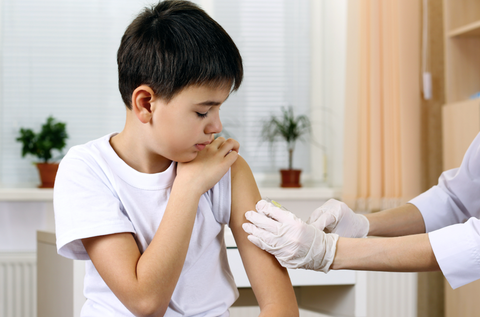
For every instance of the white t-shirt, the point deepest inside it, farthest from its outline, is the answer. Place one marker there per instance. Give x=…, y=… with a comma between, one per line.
x=96, y=193
x=451, y=211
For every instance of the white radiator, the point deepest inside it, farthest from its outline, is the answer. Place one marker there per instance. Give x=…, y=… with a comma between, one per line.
x=391, y=294
x=18, y=284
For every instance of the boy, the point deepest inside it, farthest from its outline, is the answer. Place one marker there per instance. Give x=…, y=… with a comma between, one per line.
x=147, y=206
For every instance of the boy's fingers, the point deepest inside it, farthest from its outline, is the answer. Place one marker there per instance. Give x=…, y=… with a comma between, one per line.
x=228, y=147
x=225, y=145
x=231, y=157
x=217, y=143
x=235, y=145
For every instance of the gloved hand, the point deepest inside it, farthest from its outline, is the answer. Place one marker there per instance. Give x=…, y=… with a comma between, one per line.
x=294, y=243
x=335, y=217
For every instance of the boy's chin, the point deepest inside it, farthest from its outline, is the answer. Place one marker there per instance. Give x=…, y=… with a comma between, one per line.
x=187, y=158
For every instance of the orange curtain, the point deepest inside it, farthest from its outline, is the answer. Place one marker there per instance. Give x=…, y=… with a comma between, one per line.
x=382, y=116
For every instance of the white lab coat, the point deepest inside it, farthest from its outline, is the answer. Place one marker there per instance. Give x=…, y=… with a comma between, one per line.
x=451, y=211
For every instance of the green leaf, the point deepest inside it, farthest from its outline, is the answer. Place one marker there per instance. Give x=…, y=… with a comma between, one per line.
x=52, y=136
x=287, y=127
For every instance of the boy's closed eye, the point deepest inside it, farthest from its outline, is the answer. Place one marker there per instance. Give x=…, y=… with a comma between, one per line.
x=208, y=104
x=202, y=115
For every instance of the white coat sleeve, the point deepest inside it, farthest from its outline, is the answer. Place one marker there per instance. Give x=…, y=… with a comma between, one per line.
x=451, y=211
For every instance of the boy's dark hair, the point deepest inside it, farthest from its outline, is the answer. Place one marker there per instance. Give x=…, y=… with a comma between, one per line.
x=173, y=45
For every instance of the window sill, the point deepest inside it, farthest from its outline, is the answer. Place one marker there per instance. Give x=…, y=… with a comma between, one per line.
x=303, y=193
x=26, y=194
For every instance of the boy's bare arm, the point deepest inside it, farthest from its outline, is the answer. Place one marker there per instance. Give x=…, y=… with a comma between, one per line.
x=270, y=281
x=144, y=283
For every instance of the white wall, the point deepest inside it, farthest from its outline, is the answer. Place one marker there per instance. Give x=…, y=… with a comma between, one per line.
x=329, y=32
x=19, y=222
x=1, y=83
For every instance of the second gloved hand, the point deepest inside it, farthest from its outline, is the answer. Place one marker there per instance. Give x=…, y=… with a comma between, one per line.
x=335, y=216
x=294, y=243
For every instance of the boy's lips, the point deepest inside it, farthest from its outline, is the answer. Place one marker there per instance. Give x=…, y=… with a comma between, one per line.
x=201, y=146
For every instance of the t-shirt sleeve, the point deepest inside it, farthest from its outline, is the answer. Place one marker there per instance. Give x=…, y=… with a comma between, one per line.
x=221, y=198
x=85, y=205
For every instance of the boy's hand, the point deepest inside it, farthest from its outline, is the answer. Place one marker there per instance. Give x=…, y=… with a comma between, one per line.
x=209, y=166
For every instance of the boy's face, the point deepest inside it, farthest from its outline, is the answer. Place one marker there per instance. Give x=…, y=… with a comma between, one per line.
x=185, y=125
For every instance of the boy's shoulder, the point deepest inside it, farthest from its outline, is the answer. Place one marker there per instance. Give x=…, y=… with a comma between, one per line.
x=239, y=167
x=94, y=156
x=91, y=149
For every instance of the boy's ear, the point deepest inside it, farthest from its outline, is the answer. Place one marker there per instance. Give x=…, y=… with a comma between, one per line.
x=142, y=99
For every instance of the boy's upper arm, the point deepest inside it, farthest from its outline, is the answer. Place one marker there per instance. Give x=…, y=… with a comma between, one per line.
x=114, y=256
x=270, y=281
x=85, y=205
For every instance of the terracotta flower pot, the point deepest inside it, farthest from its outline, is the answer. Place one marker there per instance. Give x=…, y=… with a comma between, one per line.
x=47, y=172
x=290, y=178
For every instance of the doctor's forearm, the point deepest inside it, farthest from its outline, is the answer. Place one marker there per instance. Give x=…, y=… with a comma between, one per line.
x=401, y=254
x=400, y=221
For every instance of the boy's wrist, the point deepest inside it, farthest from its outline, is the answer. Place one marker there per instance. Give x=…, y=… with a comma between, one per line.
x=186, y=188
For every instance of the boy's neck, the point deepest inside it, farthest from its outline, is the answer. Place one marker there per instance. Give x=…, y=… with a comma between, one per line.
x=132, y=152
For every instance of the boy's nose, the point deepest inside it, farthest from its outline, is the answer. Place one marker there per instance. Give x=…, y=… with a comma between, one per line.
x=215, y=126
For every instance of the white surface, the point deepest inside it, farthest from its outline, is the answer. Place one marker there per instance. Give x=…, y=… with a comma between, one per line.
x=42, y=194
x=229, y=239
x=26, y=194
x=59, y=280
x=328, y=33
x=19, y=221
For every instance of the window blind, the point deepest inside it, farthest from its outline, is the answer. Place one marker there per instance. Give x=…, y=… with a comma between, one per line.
x=273, y=38
x=58, y=57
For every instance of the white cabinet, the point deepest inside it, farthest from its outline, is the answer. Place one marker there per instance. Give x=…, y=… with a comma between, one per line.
x=59, y=280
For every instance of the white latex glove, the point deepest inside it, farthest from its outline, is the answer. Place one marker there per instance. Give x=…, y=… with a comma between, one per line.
x=335, y=217
x=294, y=243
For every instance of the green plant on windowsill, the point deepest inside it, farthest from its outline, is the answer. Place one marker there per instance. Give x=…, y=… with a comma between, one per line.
x=289, y=128
x=52, y=136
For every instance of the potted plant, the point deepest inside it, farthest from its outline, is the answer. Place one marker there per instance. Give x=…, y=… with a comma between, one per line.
x=52, y=136
x=290, y=128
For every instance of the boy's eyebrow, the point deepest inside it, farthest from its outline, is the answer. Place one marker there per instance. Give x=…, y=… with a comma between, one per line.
x=212, y=102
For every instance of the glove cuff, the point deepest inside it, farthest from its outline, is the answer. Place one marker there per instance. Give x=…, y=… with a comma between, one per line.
x=331, y=240
x=322, y=252
x=363, y=226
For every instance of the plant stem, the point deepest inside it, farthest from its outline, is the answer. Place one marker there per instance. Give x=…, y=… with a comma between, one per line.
x=290, y=158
